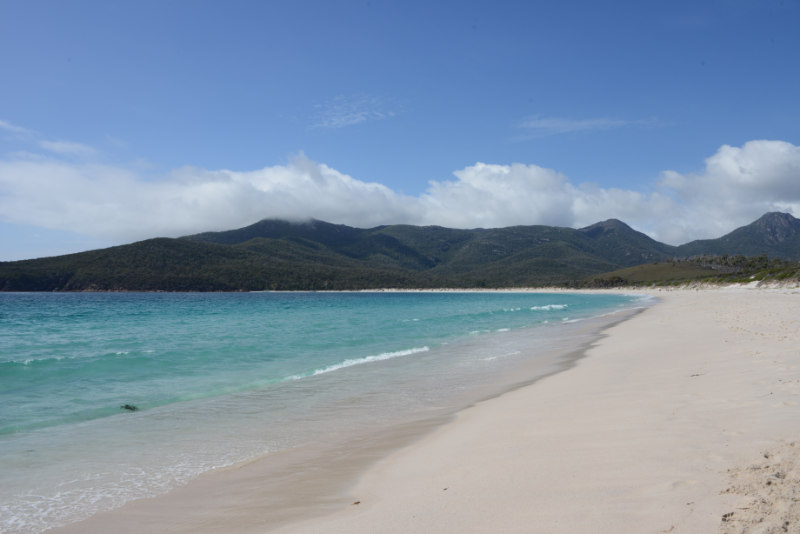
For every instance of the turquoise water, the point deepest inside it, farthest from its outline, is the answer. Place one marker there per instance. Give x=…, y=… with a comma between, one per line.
x=221, y=378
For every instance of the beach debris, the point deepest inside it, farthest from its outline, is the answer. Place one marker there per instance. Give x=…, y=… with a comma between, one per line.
x=355, y=503
x=129, y=407
x=727, y=517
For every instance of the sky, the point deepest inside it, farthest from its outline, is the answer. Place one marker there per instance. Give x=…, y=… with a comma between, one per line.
x=123, y=121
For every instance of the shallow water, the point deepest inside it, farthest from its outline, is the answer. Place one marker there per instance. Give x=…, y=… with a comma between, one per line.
x=222, y=378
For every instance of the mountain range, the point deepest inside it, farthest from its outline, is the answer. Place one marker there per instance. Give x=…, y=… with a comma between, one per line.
x=315, y=255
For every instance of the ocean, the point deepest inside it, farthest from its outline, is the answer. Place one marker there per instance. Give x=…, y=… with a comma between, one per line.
x=110, y=397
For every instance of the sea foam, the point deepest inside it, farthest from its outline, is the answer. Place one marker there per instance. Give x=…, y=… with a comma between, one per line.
x=368, y=359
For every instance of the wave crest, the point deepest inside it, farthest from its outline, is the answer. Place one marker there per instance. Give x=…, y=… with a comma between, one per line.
x=549, y=307
x=366, y=359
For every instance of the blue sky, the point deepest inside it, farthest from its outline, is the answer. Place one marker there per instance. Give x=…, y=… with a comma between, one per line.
x=121, y=121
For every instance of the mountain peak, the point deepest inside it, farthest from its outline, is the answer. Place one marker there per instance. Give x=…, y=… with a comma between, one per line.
x=777, y=218
x=777, y=227
x=606, y=227
x=313, y=254
x=774, y=234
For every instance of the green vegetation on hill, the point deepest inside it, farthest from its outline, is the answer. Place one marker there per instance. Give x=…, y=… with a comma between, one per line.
x=776, y=235
x=179, y=265
x=315, y=255
x=723, y=269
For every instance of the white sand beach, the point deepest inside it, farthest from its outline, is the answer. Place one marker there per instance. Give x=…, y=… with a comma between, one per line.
x=682, y=419
x=679, y=416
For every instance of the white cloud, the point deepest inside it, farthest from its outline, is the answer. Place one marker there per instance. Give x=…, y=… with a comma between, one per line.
x=13, y=128
x=67, y=148
x=483, y=195
x=737, y=185
x=557, y=125
x=63, y=148
x=768, y=169
x=537, y=126
x=344, y=111
x=504, y=195
x=117, y=204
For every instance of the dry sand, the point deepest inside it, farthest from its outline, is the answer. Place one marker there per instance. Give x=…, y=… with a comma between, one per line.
x=681, y=419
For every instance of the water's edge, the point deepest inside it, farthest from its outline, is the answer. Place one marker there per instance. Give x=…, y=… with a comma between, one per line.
x=315, y=480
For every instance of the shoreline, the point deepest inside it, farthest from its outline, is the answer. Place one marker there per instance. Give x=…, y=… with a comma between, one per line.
x=318, y=475
x=637, y=435
x=681, y=419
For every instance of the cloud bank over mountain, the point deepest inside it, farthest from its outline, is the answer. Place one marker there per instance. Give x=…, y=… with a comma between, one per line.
x=59, y=191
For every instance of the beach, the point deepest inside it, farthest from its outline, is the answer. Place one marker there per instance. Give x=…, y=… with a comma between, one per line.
x=682, y=418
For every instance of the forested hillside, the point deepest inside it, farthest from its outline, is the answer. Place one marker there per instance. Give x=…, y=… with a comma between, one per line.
x=315, y=255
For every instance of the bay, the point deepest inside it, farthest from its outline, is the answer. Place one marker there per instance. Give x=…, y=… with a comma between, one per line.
x=222, y=378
